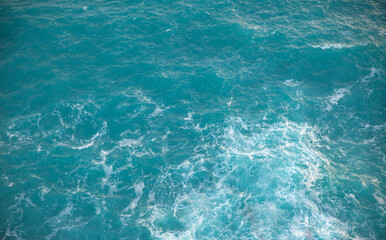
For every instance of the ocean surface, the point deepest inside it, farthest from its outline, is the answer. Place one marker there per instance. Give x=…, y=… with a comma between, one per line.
x=192, y=119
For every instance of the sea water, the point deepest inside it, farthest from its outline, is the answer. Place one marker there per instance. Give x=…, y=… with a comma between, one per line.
x=192, y=119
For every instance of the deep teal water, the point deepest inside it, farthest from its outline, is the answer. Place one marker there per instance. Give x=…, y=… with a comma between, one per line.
x=192, y=119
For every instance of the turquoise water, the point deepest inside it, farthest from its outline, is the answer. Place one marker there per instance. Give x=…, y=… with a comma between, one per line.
x=192, y=119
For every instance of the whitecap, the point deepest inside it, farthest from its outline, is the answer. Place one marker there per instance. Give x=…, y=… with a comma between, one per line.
x=128, y=142
x=373, y=72
x=151, y=197
x=379, y=197
x=291, y=83
x=336, y=46
x=229, y=103
x=87, y=145
x=189, y=118
x=156, y=112
x=138, y=188
x=12, y=233
x=43, y=191
x=338, y=94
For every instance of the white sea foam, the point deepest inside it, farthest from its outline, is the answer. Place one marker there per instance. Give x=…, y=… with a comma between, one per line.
x=9, y=184
x=156, y=112
x=229, y=103
x=189, y=118
x=198, y=128
x=379, y=197
x=11, y=233
x=43, y=191
x=138, y=188
x=56, y=222
x=336, y=97
x=373, y=72
x=337, y=45
x=22, y=199
x=87, y=145
x=338, y=94
x=151, y=197
x=292, y=156
x=127, y=142
x=90, y=142
x=291, y=83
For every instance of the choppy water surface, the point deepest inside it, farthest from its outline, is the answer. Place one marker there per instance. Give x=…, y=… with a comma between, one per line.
x=192, y=119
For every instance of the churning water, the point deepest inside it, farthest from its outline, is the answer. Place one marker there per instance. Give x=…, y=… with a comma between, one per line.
x=192, y=119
